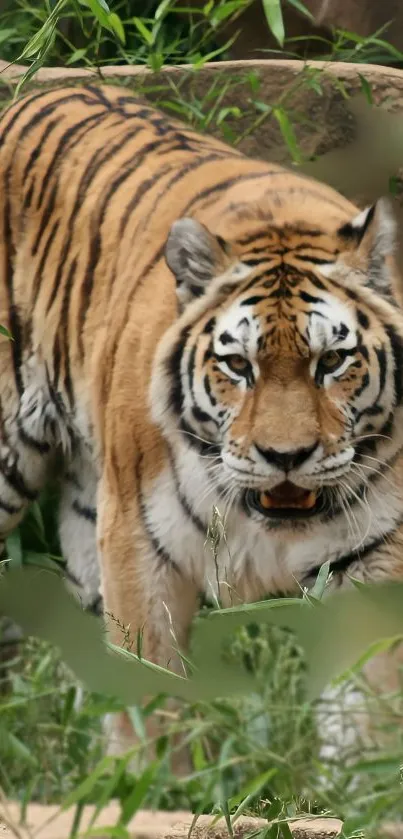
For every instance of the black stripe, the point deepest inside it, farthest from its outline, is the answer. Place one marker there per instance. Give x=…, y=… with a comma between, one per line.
x=344, y=562
x=195, y=442
x=316, y=282
x=33, y=157
x=181, y=173
x=98, y=159
x=27, y=201
x=71, y=478
x=64, y=325
x=196, y=521
x=15, y=480
x=314, y=193
x=310, y=298
x=396, y=343
x=45, y=217
x=190, y=368
x=14, y=318
x=24, y=104
x=316, y=260
x=68, y=135
x=207, y=387
x=362, y=318
x=87, y=513
x=40, y=446
x=96, y=240
x=100, y=95
x=39, y=271
x=381, y=356
x=252, y=301
x=11, y=509
x=62, y=148
x=96, y=607
x=57, y=357
x=359, y=390
x=173, y=368
x=202, y=416
x=256, y=261
x=141, y=190
x=159, y=549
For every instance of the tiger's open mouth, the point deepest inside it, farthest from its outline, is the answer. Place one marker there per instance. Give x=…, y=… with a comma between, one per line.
x=286, y=500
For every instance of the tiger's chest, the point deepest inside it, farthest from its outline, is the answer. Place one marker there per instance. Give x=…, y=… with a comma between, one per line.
x=216, y=544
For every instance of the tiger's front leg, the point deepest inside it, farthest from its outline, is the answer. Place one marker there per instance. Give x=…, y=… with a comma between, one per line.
x=143, y=593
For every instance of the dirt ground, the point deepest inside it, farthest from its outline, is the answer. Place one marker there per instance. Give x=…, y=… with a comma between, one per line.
x=50, y=823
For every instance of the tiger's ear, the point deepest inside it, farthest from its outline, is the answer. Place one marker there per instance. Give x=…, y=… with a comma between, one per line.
x=370, y=239
x=195, y=256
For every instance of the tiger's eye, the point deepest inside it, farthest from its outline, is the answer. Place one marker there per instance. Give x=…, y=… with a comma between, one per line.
x=238, y=364
x=330, y=360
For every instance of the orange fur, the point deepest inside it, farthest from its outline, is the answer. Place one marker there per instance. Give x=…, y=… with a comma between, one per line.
x=92, y=183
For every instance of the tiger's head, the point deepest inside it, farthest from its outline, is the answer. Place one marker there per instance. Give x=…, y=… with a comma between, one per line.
x=284, y=368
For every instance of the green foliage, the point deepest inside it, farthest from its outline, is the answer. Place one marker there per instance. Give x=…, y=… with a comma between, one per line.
x=125, y=32
x=158, y=32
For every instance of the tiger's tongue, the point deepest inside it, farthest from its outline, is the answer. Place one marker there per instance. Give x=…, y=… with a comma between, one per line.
x=288, y=495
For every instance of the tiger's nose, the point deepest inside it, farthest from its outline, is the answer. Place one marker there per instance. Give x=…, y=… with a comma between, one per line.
x=286, y=460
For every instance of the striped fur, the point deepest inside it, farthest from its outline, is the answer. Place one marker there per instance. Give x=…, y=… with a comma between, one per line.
x=138, y=259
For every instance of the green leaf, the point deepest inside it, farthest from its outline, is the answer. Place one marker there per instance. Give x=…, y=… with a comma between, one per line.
x=254, y=81
x=208, y=8
x=250, y=790
x=288, y=133
x=117, y=26
x=263, y=107
x=86, y=787
x=162, y=9
x=273, y=810
x=211, y=55
x=144, y=32
x=68, y=705
x=301, y=8
x=366, y=89
x=274, y=17
x=96, y=6
x=320, y=583
x=75, y=56
x=100, y=10
x=19, y=749
x=379, y=647
x=6, y=333
x=224, y=11
x=109, y=787
x=232, y=111
x=40, y=41
x=115, y=831
x=35, y=66
x=389, y=763
x=5, y=34
x=132, y=803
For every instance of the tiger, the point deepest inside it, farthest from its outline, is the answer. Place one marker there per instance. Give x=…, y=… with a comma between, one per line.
x=192, y=330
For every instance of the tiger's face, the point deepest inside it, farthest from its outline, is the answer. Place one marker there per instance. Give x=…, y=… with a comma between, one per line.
x=284, y=371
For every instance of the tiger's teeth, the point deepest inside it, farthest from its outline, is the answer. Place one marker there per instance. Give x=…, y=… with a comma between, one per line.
x=305, y=502
x=309, y=501
x=266, y=500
